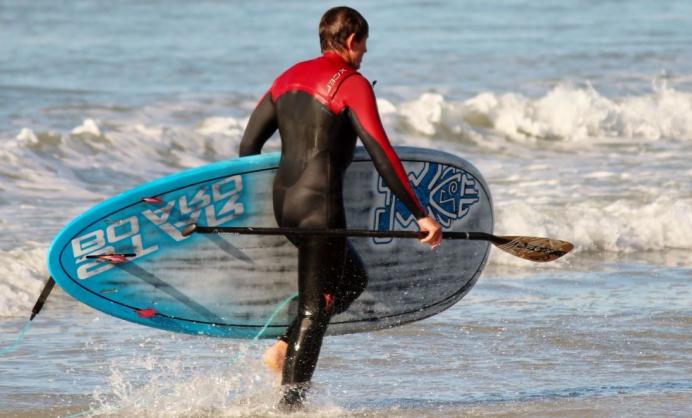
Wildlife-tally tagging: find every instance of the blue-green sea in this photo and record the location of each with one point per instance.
(578, 114)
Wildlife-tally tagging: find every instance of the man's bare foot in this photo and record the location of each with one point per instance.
(293, 396)
(274, 357)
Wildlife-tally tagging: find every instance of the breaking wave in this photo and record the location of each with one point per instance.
(49, 177)
(565, 113)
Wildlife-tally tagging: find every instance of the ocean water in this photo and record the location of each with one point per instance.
(578, 113)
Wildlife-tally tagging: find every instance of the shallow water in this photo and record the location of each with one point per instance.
(581, 343)
(578, 114)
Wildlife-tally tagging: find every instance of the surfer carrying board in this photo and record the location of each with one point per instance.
(320, 107)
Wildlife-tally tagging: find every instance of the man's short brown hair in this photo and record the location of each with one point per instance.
(337, 24)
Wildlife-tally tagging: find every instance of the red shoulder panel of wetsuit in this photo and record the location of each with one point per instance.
(320, 77)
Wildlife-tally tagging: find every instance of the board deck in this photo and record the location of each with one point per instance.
(230, 285)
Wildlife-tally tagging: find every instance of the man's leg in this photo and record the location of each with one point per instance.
(319, 265)
(275, 355)
(352, 282)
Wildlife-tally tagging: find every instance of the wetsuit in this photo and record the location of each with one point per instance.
(320, 107)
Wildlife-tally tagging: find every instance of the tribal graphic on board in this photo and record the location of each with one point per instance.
(448, 193)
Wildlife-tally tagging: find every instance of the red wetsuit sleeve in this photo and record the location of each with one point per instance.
(357, 95)
(260, 127)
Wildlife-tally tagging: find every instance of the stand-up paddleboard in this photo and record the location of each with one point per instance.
(128, 256)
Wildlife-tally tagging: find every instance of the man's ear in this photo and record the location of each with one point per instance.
(349, 41)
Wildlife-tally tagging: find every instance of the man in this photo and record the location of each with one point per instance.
(319, 107)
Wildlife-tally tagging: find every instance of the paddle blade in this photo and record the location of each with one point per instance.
(533, 248)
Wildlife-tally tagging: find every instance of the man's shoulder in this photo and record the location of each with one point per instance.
(300, 65)
(319, 76)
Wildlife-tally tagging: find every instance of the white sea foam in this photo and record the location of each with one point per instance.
(566, 113)
(619, 227)
(23, 272)
(89, 127)
(425, 113)
(27, 136)
(385, 107)
(174, 387)
(153, 132)
(221, 125)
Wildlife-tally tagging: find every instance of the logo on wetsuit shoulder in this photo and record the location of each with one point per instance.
(448, 193)
(334, 79)
(156, 222)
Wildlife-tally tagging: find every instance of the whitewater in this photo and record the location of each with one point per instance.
(579, 117)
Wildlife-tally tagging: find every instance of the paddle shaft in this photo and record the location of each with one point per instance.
(529, 248)
(50, 283)
(338, 232)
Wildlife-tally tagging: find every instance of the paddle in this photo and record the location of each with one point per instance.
(528, 248)
(50, 283)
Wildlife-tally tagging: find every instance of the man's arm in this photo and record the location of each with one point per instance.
(359, 97)
(357, 94)
(260, 127)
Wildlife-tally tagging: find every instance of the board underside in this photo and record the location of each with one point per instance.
(229, 285)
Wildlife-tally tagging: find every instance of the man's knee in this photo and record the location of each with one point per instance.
(352, 284)
(317, 314)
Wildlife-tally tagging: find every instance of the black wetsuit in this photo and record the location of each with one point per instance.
(319, 107)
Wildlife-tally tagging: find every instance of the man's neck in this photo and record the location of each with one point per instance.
(338, 55)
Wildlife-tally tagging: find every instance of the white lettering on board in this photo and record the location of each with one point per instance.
(219, 202)
(124, 233)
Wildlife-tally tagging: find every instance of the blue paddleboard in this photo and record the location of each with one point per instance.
(235, 285)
